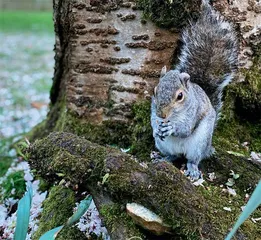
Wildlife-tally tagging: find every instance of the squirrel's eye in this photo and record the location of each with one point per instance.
(180, 96)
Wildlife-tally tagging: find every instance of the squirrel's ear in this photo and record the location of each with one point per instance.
(184, 77)
(163, 71)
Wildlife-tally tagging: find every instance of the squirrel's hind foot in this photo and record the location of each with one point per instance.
(192, 171)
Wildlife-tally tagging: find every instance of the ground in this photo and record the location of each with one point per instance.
(26, 60)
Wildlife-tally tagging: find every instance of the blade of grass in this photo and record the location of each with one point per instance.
(253, 203)
(51, 235)
(82, 208)
(23, 214)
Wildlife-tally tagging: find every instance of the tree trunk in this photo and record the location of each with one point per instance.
(107, 61)
(107, 58)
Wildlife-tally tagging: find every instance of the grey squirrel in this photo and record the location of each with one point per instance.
(187, 100)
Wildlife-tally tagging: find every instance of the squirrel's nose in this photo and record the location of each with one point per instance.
(161, 114)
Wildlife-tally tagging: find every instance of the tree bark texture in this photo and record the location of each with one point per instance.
(107, 58)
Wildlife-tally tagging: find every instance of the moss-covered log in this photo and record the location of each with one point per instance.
(191, 212)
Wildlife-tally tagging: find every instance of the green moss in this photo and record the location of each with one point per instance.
(241, 115)
(14, 181)
(43, 185)
(66, 150)
(170, 13)
(138, 135)
(232, 131)
(249, 227)
(247, 94)
(115, 216)
(57, 208)
(5, 163)
(71, 233)
(141, 139)
(224, 220)
(213, 192)
(230, 135)
(110, 132)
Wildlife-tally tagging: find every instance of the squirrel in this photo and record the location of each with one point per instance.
(187, 101)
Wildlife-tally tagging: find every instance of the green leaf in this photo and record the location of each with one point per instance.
(236, 176)
(23, 214)
(24, 144)
(253, 203)
(237, 154)
(19, 152)
(82, 208)
(105, 177)
(51, 235)
(60, 174)
(230, 182)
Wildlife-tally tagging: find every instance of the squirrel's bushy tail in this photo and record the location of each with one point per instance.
(210, 53)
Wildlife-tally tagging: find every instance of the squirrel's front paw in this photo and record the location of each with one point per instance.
(192, 171)
(165, 129)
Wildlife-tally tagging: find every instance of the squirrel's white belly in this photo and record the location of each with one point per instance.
(172, 145)
(176, 145)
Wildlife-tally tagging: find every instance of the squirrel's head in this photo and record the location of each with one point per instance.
(171, 93)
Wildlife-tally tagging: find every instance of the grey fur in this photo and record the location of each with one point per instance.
(210, 53)
(187, 100)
